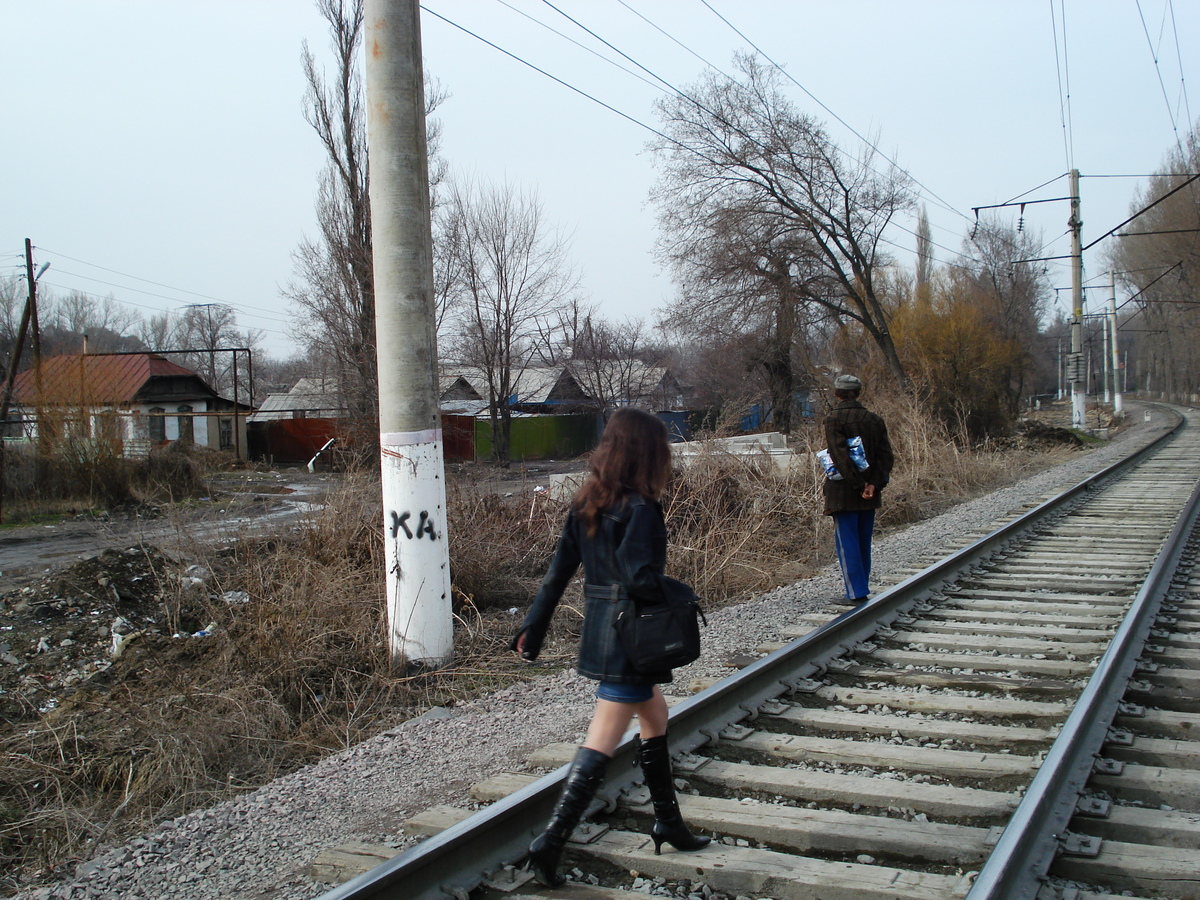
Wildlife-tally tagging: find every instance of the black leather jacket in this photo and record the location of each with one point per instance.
(621, 562)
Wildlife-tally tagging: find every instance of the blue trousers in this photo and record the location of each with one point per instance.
(852, 535)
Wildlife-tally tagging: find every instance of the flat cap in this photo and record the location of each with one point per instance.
(847, 383)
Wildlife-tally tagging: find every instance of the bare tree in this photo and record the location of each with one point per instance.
(12, 303)
(334, 285)
(1157, 261)
(159, 332)
(616, 362)
(106, 322)
(512, 275)
(743, 146)
(747, 283)
(995, 266)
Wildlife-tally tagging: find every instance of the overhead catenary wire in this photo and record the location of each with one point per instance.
(932, 195)
(1171, 113)
(542, 71)
(1187, 106)
(578, 44)
(1064, 96)
(670, 87)
(1143, 210)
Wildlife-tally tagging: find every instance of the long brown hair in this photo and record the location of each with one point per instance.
(634, 457)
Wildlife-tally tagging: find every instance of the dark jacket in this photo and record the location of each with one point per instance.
(622, 562)
(849, 419)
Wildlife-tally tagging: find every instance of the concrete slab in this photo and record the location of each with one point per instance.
(1176, 788)
(835, 831)
(1169, 871)
(908, 727)
(500, 786)
(945, 763)
(1007, 645)
(1059, 668)
(765, 873)
(1144, 826)
(989, 707)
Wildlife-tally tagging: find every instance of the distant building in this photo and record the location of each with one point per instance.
(134, 401)
(291, 427)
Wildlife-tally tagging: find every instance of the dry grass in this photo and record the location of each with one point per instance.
(90, 475)
(302, 670)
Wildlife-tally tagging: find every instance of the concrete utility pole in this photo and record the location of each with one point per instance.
(1106, 357)
(1118, 412)
(420, 623)
(1060, 393)
(1075, 361)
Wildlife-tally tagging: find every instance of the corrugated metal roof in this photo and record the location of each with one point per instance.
(283, 406)
(99, 378)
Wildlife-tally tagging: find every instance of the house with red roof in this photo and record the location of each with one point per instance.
(135, 401)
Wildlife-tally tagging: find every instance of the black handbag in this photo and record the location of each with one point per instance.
(663, 633)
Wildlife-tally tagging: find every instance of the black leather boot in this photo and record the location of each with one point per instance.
(655, 758)
(584, 777)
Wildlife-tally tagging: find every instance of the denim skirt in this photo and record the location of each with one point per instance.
(624, 693)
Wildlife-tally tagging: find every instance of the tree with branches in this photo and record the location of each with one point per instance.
(512, 274)
(738, 150)
(1157, 262)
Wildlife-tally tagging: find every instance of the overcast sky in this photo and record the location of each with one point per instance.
(156, 149)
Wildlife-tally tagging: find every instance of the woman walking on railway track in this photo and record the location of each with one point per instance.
(615, 529)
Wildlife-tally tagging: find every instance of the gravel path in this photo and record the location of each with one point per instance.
(257, 845)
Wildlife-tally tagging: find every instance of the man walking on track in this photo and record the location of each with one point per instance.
(853, 498)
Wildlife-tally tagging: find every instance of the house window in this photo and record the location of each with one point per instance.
(299, 413)
(186, 429)
(157, 424)
(225, 428)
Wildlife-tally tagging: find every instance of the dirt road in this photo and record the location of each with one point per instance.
(240, 504)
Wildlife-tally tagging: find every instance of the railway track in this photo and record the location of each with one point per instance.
(1017, 720)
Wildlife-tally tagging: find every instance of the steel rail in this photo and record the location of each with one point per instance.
(1017, 866)
(464, 856)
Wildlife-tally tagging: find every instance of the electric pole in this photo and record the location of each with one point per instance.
(420, 623)
(14, 361)
(1075, 360)
(1118, 412)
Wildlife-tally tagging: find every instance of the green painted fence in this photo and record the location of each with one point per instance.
(541, 437)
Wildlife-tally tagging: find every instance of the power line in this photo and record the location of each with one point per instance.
(581, 46)
(1158, 72)
(1144, 209)
(1187, 107)
(933, 196)
(1064, 100)
(1031, 190)
(126, 287)
(674, 39)
(153, 309)
(147, 281)
(663, 81)
(541, 71)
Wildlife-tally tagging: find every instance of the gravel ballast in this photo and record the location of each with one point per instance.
(259, 844)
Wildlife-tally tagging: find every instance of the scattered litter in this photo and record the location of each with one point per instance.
(206, 631)
(120, 641)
